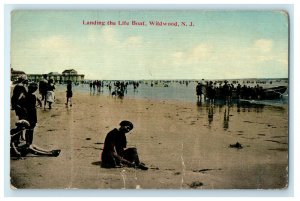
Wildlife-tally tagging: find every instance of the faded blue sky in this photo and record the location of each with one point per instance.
(221, 44)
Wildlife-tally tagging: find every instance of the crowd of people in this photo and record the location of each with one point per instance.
(116, 88)
(24, 102)
(227, 91)
(115, 154)
(96, 85)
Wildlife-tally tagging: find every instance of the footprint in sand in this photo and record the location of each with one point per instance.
(195, 184)
(205, 170)
(154, 168)
(54, 115)
(248, 122)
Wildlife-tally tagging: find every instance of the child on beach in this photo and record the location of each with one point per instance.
(115, 154)
(69, 93)
(43, 89)
(18, 148)
(50, 93)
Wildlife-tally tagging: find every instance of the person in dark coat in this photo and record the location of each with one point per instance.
(199, 91)
(115, 154)
(19, 97)
(69, 93)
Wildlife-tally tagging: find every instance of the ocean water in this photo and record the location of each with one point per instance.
(176, 91)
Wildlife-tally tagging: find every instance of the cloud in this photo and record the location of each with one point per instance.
(108, 34)
(178, 55)
(262, 58)
(199, 53)
(134, 41)
(283, 61)
(194, 55)
(263, 45)
(54, 42)
(264, 52)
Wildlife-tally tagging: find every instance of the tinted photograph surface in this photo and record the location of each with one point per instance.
(149, 99)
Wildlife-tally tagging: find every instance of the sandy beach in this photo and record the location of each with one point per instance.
(185, 145)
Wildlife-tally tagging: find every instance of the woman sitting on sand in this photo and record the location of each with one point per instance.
(114, 152)
(18, 146)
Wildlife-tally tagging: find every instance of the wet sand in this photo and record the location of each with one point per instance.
(185, 145)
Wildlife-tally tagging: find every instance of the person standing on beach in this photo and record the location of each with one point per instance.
(199, 91)
(69, 93)
(91, 85)
(27, 111)
(43, 85)
(31, 116)
(115, 154)
(50, 93)
(18, 99)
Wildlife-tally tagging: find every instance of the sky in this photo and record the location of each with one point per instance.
(218, 45)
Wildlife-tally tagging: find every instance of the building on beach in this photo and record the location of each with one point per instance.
(72, 75)
(69, 74)
(14, 74)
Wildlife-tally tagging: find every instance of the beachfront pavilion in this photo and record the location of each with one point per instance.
(70, 74)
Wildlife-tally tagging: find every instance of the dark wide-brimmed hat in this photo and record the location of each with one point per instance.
(22, 123)
(126, 123)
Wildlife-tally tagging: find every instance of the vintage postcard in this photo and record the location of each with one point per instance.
(149, 99)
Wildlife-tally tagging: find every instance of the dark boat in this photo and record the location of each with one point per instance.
(274, 92)
(271, 93)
